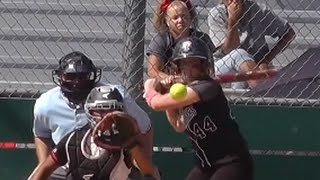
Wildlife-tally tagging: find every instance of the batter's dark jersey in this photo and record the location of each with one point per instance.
(210, 126)
(79, 165)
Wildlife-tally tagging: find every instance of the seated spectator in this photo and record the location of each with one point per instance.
(173, 21)
(238, 28)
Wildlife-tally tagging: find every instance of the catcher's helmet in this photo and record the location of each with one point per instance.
(76, 75)
(190, 47)
(112, 128)
(105, 98)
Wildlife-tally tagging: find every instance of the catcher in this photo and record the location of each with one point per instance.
(108, 144)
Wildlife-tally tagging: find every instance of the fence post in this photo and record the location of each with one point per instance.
(133, 53)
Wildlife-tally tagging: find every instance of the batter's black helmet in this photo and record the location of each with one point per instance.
(190, 47)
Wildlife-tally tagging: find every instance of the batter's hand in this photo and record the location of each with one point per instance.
(154, 84)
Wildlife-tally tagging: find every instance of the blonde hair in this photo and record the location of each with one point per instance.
(160, 24)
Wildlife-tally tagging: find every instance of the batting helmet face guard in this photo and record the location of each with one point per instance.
(76, 75)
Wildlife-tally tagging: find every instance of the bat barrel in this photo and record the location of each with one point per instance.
(249, 75)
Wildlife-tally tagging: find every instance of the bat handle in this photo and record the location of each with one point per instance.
(144, 164)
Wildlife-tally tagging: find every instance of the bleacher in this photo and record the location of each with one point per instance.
(33, 35)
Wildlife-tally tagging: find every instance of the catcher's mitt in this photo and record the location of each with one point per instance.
(117, 130)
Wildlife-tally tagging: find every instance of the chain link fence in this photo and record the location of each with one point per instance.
(35, 34)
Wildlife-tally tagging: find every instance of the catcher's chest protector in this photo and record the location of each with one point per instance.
(82, 168)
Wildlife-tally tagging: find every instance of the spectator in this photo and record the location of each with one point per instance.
(173, 21)
(60, 110)
(238, 28)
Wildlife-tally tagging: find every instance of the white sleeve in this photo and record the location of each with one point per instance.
(40, 122)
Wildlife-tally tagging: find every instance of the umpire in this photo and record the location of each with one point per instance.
(60, 110)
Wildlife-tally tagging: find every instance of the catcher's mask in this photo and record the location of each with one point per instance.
(112, 129)
(100, 101)
(187, 49)
(76, 75)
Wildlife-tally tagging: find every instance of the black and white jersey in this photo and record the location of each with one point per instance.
(68, 151)
(210, 125)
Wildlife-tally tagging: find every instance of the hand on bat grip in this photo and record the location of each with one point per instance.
(167, 82)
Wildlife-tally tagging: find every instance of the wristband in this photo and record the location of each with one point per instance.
(150, 95)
